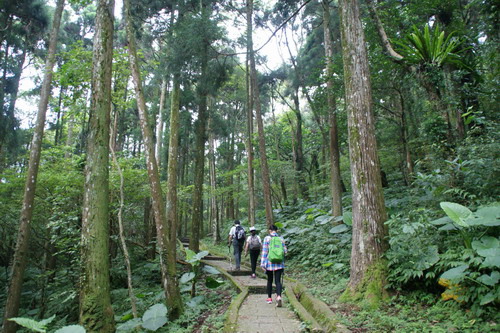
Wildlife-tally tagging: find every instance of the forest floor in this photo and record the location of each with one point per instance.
(406, 311)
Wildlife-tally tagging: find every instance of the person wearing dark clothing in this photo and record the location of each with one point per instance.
(237, 239)
(254, 244)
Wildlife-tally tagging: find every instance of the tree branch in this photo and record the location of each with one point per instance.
(386, 44)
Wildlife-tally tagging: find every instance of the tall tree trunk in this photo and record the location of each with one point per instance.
(408, 161)
(121, 233)
(335, 180)
(299, 153)
(96, 313)
(172, 216)
(214, 218)
(21, 251)
(159, 125)
(199, 159)
(230, 178)
(149, 227)
(367, 275)
(249, 138)
(59, 121)
(166, 236)
(266, 182)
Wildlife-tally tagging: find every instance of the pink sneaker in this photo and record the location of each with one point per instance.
(269, 301)
(253, 276)
(278, 302)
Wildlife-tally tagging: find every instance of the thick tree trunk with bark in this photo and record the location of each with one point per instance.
(266, 182)
(335, 180)
(21, 251)
(367, 276)
(96, 313)
(166, 235)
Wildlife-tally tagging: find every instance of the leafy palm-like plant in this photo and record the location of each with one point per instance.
(431, 47)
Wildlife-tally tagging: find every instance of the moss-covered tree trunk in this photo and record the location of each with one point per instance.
(172, 216)
(21, 251)
(367, 275)
(96, 313)
(335, 180)
(166, 232)
(255, 95)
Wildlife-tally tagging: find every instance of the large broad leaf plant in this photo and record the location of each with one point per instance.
(476, 275)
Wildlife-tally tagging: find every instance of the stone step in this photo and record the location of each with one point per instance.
(240, 272)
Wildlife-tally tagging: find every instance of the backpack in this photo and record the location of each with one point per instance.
(239, 233)
(276, 251)
(254, 243)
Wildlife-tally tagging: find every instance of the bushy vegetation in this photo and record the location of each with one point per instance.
(443, 269)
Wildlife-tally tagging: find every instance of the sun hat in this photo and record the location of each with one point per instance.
(252, 229)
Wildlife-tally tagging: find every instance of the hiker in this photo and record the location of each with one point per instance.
(273, 263)
(254, 244)
(237, 238)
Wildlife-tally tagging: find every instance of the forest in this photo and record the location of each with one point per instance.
(133, 133)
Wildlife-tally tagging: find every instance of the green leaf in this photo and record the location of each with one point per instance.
(488, 298)
(492, 261)
(210, 270)
(186, 277)
(490, 280)
(455, 273)
(328, 264)
(441, 221)
(338, 229)
(408, 229)
(487, 216)
(195, 301)
(47, 321)
(279, 225)
(126, 317)
(129, 325)
(323, 219)
(348, 218)
(338, 266)
(155, 317)
(212, 283)
(30, 323)
(456, 212)
(201, 255)
(185, 288)
(189, 254)
(487, 247)
(71, 329)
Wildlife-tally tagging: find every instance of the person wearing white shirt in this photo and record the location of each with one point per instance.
(254, 244)
(237, 238)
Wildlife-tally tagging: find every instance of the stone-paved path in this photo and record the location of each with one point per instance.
(255, 315)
